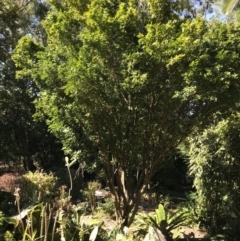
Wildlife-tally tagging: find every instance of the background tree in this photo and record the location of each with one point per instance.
(123, 83)
(22, 139)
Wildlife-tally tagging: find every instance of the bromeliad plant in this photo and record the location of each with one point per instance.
(162, 225)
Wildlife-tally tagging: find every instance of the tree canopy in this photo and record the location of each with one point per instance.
(123, 83)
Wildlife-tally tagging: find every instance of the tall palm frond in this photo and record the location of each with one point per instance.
(227, 6)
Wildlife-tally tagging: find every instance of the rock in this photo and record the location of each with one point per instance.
(102, 193)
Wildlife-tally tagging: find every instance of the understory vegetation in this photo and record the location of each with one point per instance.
(42, 209)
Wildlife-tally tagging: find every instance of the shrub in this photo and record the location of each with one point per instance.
(90, 194)
(215, 165)
(36, 187)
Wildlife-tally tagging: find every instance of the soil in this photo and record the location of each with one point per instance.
(193, 234)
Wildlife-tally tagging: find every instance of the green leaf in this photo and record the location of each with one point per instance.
(160, 214)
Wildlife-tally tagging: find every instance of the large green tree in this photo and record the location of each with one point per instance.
(124, 82)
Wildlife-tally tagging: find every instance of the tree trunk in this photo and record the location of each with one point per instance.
(126, 205)
(28, 165)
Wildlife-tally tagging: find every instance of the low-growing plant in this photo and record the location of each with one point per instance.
(150, 197)
(119, 234)
(191, 208)
(6, 203)
(90, 194)
(8, 236)
(58, 220)
(1, 224)
(36, 187)
(50, 214)
(1, 218)
(165, 200)
(106, 207)
(161, 225)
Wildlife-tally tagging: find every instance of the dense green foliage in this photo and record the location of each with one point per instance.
(21, 137)
(37, 187)
(123, 83)
(214, 164)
